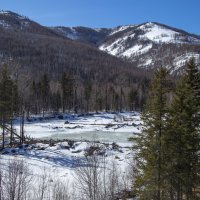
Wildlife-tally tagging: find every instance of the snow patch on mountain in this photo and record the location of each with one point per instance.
(148, 62)
(137, 49)
(120, 29)
(160, 34)
(72, 34)
(115, 48)
(4, 24)
(157, 33)
(9, 13)
(180, 61)
(132, 50)
(4, 12)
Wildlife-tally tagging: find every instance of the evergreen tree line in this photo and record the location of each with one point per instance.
(167, 151)
(10, 108)
(73, 95)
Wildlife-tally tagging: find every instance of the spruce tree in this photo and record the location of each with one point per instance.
(131, 99)
(150, 163)
(183, 138)
(67, 87)
(8, 102)
(87, 94)
(45, 90)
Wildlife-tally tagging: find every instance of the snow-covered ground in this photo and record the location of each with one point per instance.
(103, 127)
(110, 132)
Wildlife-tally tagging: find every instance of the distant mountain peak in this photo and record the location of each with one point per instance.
(13, 14)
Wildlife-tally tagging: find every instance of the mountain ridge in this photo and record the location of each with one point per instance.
(147, 45)
(141, 44)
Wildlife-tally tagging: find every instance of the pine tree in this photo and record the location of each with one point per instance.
(87, 94)
(183, 137)
(150, 179)
(34, 97)
(8, 102)
(67, 87)
(14, 108)
(45, 89)
(131, 99)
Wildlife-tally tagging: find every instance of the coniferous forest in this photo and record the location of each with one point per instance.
(99, 113)
(166, 152)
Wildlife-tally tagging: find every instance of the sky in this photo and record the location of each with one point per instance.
(183, 14)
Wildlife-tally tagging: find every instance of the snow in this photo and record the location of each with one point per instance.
(158, 33)
(71, 35)
(147, 62)
(114, 48)
(60, 162)
(129, 52)
(120, 29)
(181, 60)
(4, 12)
(137, 49)
(145, 49)
(104, 127)
(4, 24)
(148, 32)
(161, 34)
(59, 158)
(11, 13)
(97, 29)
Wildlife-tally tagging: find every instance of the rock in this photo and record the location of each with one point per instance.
(13, 151)
(77, 151)
(133, 124)
(60, 117)
(109, 125)
(115, 146)
(41, 148)
(71, 143)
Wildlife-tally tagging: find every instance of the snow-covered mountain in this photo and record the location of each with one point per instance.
(152, 44)
(126, 41)
(148, 45)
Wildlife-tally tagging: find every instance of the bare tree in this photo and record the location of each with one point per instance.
(98, 178)
(42, 184)
(16, 181)
(60, 190)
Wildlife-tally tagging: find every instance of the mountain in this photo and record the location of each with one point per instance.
(83, 34)
(32, 50)
(11, 21)
(148, 45)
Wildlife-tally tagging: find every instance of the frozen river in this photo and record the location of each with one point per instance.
(103, 127)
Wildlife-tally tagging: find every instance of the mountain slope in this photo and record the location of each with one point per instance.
(11, 21)
(36, 50)
(151, 44)
(147, 45)
(83, 34)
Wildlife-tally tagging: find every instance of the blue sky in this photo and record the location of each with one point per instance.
(184, 14)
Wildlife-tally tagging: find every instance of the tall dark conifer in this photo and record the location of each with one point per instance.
(45, 89)
(67, 87)
(8, 103)
(183, 139)
(150, 179)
